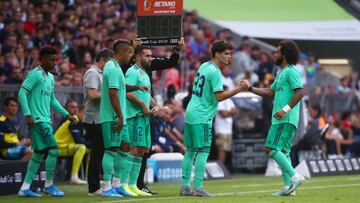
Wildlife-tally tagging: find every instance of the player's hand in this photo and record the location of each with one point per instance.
(146, 110)
(155, 110)
(30, 121)
(119, 125)
(244, 85)
(280, 114)
(71, 119)
(136, 42)
(143, 88)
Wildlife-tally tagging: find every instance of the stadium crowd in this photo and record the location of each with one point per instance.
(80, 29)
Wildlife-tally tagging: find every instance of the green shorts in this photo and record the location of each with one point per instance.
(139, 131)
(110, 137)
(280, 137)
(124, 134)
(198, 136)
(42, 136)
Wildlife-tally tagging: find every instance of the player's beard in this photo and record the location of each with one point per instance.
(279, 61)
(145, 65)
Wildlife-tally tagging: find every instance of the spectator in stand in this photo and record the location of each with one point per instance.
(302, 67)
(265, 66)
(332, 138)
(242, 59)
(347, 132)
(11, 146)
(198, 45)
(223, 127)
(344, 87)
(16, 77)
(165, 139)
(71, 141)
(312, 70)
(226, 72)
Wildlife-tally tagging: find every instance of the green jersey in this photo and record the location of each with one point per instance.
(203, 104)
(137, 76)
(37, 95)
(288, 79)
(113, 78)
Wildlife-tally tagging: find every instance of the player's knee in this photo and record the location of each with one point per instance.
(82, 148)
(268, 150)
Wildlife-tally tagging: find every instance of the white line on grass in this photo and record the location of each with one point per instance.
(232, 193)
(280, 183)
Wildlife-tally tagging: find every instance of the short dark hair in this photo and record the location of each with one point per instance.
(140, 49)
(120, 44)
(290, 51)
(104, 53)
(220, 46)
(10, 99)
(46, 51)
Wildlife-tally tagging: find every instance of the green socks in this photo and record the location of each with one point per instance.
(283, 162)
(135, 170)
(50, 163)
(32, 167)
(286, 176)
(108, 164)
(187, 164)
(200, 165)
(122, 167)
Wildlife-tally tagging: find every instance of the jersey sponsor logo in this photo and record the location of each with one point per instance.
(45, 93)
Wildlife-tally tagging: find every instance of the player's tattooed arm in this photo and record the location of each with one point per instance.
(298, 95)
(264, 92)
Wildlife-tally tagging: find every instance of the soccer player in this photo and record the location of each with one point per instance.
(287, 91)
(207, 93)
(92, 85)
(113, 116)
(36, 95)
(138, 120)
(70, 140)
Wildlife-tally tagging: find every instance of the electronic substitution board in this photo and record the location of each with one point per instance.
(159, 22)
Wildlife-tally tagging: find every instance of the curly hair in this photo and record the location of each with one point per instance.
(290, 51)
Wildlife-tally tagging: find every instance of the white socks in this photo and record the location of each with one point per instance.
(25, 186)
(106, 185)
(48, 183)
(116, 182)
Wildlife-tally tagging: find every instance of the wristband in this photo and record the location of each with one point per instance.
(286, 108)
(250, 88)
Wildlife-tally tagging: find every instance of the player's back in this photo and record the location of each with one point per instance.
(203, 104)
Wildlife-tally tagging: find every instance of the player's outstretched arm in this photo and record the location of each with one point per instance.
(221, 96)
(264, 92)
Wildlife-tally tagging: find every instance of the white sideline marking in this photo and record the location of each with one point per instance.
(233, 193)
(280, 183)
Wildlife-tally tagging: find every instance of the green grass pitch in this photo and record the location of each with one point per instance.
(243, 188)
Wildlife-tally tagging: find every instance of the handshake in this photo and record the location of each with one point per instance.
(244, 85)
